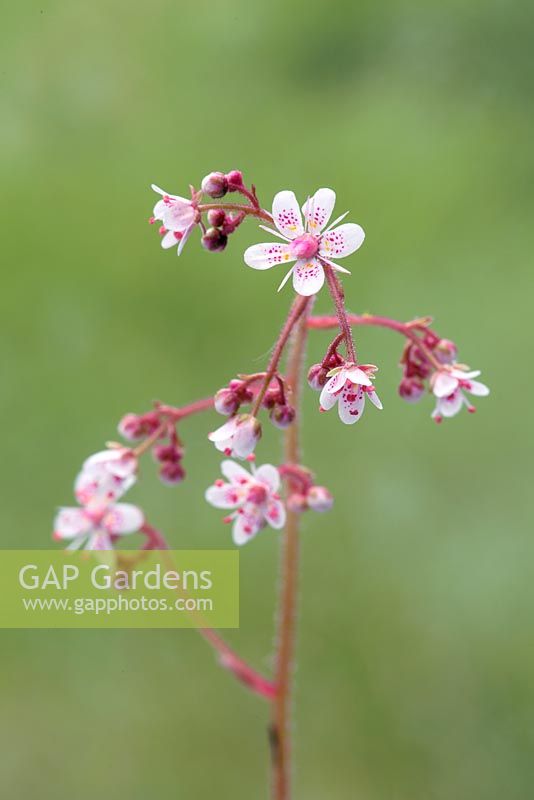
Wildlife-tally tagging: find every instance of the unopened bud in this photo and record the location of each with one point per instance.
(171, 473)
(167, 452)
(317, 377)
(446, 351)
(235, 179)
(137, 426)
(411, 389)
(297, 503)
(226, 402)
(319, 499)
(282, 416)
(216, 217)
(214, 240)
(271, 398)
(215, 184)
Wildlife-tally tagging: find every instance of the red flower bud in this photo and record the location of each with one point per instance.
(171, 473)
(167, 452)
(317, 377)
(235, 180)
(215, 184)
(282, 416)
(226, 402)
(271, 398)
(214, 240)
(137, 426)
(411, 389)
(216, 217)
(319, 499)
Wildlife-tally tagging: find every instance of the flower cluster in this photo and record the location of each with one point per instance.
(100, 520)
(310, 245)
(431, 363)
(268, 496)
(255, 500)
(158, 428)
(179, 216)
(417, 367)
(247, 388)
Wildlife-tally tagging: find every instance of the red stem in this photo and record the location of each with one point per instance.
(406, 329)
(339, 300)
(299, 304)
(247, 210)
(228, 658)
(280, 730)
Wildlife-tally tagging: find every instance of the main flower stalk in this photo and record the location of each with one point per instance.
(280, 729)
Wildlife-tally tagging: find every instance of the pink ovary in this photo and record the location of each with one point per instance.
(305, 246)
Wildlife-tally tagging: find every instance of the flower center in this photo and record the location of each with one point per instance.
(257, 494)
(95, 514)
(305, 246)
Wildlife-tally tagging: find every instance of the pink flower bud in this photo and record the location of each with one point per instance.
(216, 217)
(446, 351)
(411, 389)
(297, 503)
(271, 398)
(235, 180)
(214, 240)
(226, 402)
(319, 499)
(137, 426)
(215, 184)
(317, 377)
(282, 416)
(171, 473)
(167, 452)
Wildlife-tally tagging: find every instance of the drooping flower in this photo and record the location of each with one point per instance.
(95, 525)
(348, 386)
(179, 217)
(312, 246)
(106, 476)
(449, 386)
(237, 437)
(254, 498)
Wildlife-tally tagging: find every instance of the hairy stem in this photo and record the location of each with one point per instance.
(228, 658)
(406, 329)
(338, 297)
(252, 211)
(297, 308)
(280, 728)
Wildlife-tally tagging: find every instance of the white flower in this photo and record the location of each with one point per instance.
(348, 386)
(253, 496)
(106, 476)
(237, 437)
(311, 247)
(94, 526)
(448, 387)
(179, 217)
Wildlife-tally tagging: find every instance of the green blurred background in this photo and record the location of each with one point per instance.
(415, 678)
